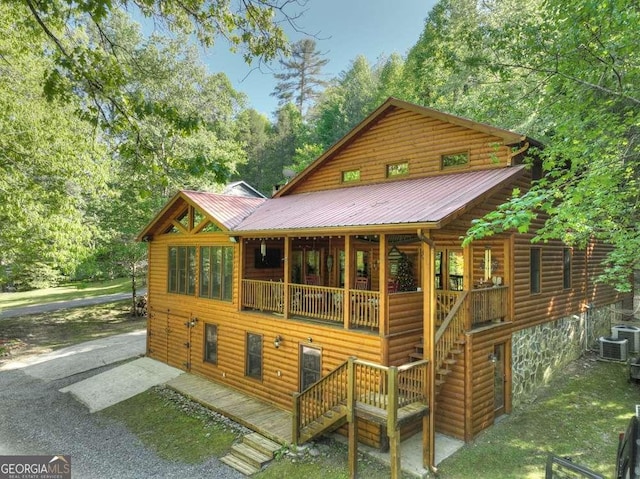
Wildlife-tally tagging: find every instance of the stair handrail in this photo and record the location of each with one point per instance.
(319, 398)
(450, 330)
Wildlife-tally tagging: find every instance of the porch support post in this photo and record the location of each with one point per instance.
(383, 297)
(392, 424)
(352, 418)
(241, 268)
(429, 302)
(287, 275)
(346, 302)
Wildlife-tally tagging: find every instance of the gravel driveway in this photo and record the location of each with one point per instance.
(35, 419)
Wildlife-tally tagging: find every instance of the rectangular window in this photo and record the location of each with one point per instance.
(182, 270)
(254, 356)
(534, 260)
(216, 272)
(566, 268)
(351, 175)
(455, 159)
(310, 366)
(211, 343)
(397, 169)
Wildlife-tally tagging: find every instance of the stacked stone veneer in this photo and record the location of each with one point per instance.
(540, 351)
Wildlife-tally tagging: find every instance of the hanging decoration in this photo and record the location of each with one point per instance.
(263, 248)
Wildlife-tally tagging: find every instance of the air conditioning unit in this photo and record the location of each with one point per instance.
(613, 348)
(630, 333)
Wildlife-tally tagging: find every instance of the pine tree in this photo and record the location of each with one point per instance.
(300, 80)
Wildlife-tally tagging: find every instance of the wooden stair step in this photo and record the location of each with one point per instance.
(262, 444)
(443, 372)
(416, 356)
(239, 465)
(450, 361)
(250, 455)
(456, 351)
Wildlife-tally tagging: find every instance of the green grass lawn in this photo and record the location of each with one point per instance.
(68, 291)
(579, 415)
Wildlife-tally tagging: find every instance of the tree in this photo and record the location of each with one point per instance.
(52, 164)
(346, 102)
(569, 72)
(254, 133)
(302, 75)
(91, 69)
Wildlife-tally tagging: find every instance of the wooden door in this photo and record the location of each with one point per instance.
(157, 346)
(179, 339)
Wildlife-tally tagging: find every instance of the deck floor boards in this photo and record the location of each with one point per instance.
(260, 416)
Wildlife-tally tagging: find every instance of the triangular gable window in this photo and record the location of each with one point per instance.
(191, 221)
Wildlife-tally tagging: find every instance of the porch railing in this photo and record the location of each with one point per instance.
(444, 303)
(263, 295)
(364, 309)
(320, 398)
(383, 389)
(450, 331)
(317, 302)
(488, 305)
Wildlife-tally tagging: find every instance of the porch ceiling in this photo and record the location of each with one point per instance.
(432, 200)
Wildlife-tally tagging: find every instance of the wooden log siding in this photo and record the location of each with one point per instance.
(480, 400)
(402, 136)
(405, 326)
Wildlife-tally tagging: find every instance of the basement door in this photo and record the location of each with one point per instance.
(499, 389)
(170, 339)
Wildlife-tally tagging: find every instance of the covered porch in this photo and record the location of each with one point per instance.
(375, 283)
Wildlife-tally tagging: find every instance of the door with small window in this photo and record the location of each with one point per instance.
(310, 366)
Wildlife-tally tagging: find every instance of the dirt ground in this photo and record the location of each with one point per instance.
(40, 333)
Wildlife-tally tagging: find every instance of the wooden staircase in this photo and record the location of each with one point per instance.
(252, 454)
(327, 422)
(385, 395)
(444, 369)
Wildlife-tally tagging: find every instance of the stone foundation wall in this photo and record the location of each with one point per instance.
(539, 351)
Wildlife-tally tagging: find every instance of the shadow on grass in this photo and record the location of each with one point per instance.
(579, 415)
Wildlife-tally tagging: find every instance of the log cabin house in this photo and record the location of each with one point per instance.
(347, 295)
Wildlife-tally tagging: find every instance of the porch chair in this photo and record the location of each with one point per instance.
(362, 283)
(392, 286)
(312, 280)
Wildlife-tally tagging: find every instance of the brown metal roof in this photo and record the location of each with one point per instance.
(428, 200)
(509, 137)
(228, 210)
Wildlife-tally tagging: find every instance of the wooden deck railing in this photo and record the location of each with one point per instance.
(488, 305)
(382, 390)
(364, 309)
(319, 399)
(444, 303)
(450, 330)
(317, 302)
(263, 295)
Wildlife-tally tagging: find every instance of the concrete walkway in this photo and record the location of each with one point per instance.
(121, 383)
(133, 377)
(73, 303)
(82, 357)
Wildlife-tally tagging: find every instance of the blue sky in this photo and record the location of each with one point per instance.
(344, 30)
